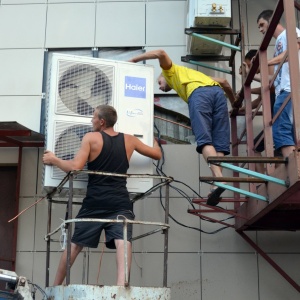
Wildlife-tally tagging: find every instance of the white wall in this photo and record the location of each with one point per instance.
(201, 266)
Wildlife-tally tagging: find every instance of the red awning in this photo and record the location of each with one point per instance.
(13, 134)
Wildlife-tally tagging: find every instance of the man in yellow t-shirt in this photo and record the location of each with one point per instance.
(207, 108)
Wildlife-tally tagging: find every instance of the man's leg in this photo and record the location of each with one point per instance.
(287, 150)
(283, 132)
(61, 270)
(209, 150)
(259, 167)
(214, 196)
(120, 260)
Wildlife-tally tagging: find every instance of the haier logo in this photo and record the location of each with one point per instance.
(135, 87)
(134, 112)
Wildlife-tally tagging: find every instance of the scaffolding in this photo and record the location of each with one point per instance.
(130, 292)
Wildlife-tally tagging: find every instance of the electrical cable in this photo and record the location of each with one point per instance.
(55, 189)
(39, 288)
(160, 172)
(36, 202)
(190, 227)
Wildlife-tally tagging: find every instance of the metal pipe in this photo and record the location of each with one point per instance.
(83, 267)
(164, 226)
(48, 241)
(146, 234)
(126, 283)
(255, 174)
(68, 266)
(210, 179)
(240, 191)
(267, 114)
(172, 122)
(16, 209)
(270, 261)
(44, 91)
(166, 238)
(247, 159)
(292, 46)
(9, 278)
(235, 152)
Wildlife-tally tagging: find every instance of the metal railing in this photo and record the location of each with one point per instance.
(163, 227)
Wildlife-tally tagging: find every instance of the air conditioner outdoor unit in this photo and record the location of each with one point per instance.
(207, 14)
(77, 85)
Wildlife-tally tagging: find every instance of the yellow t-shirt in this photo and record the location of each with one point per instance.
(184, 80)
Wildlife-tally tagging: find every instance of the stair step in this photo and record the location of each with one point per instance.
(231, 179)
(247, 159)
(211, 30)
(213, 58)
(223, 200)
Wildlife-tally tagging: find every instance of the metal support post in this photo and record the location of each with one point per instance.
(48, 240)
(126, 283)
(270, 261)
(68, 266)
(166, 233)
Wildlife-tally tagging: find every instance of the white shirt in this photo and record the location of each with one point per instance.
(282, 81)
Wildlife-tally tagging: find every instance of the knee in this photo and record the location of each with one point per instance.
(76, 248)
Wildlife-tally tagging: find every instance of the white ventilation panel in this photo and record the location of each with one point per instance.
(77, 85)
(207, 14)
(197, 46)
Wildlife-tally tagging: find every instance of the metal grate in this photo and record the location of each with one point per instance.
(82, 87)
(68, 140)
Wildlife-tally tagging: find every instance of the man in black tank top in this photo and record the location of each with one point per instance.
(107, 197)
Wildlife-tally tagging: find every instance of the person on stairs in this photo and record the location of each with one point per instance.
(207, 109)
(283, 127)
(247, 64)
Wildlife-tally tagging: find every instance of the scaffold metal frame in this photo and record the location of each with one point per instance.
(163, 227)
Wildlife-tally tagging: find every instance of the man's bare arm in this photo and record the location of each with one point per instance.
(137, 145)
(254, 104)
(77, 163)
(164, 60)
(277, 59)
(257, 76)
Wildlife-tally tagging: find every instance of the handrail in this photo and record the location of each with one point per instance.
(164, 226)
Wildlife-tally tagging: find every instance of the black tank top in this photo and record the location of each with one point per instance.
(109, 193)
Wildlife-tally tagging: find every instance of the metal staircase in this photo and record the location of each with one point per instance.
(272, 201)
(207, 34)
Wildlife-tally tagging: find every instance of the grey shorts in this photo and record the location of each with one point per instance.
(87, 234)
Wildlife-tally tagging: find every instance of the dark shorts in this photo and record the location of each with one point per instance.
(283, 127)
(209, 118)
(87, 234)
